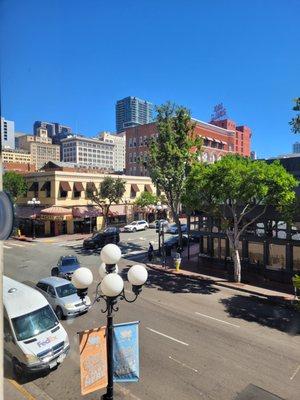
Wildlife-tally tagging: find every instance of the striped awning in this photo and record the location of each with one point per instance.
(135, 187)
(56, 211)
(86, 212)
(78, 187)
(148, 188)
(65, 186)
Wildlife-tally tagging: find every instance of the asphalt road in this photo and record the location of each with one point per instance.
(197, 340)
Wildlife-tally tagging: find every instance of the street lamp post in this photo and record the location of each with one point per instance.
(111, 287)
(34, 202)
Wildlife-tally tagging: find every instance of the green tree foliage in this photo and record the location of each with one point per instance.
(172, 154)
(237, 191)
(111, 190)
(14, 184)
(146, 199)
(295, 122)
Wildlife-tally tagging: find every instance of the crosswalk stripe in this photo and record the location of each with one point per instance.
(16, 244)
(6, 247)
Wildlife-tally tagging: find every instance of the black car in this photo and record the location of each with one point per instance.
(173, 243)
(65, 267)
(100, 239)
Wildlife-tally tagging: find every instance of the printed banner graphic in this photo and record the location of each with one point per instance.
(93, 360)
(126, 352)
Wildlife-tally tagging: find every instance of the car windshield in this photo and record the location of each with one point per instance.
(66, 290)
(69, 261)
(34, 323)
(133, 223)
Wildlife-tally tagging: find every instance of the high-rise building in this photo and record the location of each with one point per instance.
(7, 134)
(55, 131)
(90, 152)
(253, 155)
(132, 111)
(119, 141)
(40, 147)
(296, 147)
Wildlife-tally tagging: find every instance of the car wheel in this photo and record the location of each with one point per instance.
(54, 271)
(59, 313)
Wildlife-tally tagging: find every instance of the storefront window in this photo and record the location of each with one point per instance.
(296, 258)
(256, 252)
(277, 257)
(205, 244)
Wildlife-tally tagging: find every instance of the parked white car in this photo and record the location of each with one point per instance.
(136, 226)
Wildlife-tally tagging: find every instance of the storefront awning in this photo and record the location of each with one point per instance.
(78, 187)
(34, 187)
(56, 211)
(86, 212)
(65, 186)
(27, 212)
(135, 187)
(46, 186)
(217, 140)
(148, 188)
(90, 186)
(209, 138)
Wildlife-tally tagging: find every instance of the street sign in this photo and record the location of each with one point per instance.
(126, 352)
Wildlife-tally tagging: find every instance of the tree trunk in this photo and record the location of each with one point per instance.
(237, 265)
(177, 222)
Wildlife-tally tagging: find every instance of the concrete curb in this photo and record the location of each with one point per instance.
(278, 300)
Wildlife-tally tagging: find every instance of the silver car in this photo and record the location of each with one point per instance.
(62, 295)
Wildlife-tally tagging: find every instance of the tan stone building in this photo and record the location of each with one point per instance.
(40, 147)
(65, 207)
(16, 156)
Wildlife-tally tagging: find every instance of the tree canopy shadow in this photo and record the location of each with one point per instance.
(164, 281)
(260, 310)
(125, 248)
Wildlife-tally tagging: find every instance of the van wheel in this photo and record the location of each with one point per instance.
(59, 313)
(18, 372)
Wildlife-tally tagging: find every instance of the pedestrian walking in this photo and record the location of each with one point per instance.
(150, 251)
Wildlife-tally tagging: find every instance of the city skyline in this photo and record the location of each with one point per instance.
(249, 63)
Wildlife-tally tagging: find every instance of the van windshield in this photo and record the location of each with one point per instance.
(34, 323)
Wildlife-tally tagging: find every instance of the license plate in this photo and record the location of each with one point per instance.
(61, 358)
(52, 364)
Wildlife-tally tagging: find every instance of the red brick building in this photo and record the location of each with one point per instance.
(219, 138)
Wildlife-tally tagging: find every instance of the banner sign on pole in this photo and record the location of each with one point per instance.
(126, 352)
(93, 360)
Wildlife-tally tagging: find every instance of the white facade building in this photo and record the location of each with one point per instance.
(119, 141)
(89, 152)
(7, 134)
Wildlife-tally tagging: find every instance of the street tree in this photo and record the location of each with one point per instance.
(218, 113)
(14, 184)
(110, 191)
(171, 155)
(146, 199)
(237, 191)
(295, 122)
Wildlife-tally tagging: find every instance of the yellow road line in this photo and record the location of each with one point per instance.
(22, 390)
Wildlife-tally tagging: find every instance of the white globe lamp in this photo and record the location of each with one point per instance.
(103, 272)
(110, 254)
(137, 275)
(112, 285)
(82, 278)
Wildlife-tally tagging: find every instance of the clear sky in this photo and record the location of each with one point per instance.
(70, 60)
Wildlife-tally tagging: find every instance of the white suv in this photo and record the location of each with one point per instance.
(136, 226)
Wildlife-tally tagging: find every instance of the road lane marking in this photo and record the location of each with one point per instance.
(216, 319)
(6, 247)
(184, 365)
(16, 244)
(295, 373)
(169, 337)
(21, 389)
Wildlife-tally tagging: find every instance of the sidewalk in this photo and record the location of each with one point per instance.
(54, 239)
(275, 296)
(29, 391)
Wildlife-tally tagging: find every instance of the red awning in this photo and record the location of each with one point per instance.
(78, 187)
(86, 212)
(56, 211)
(65, 186)
(148, 188)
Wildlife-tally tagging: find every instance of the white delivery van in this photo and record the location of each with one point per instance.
(34, 339)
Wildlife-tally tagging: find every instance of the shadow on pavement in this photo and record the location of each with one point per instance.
(176, 284)
(259, 310)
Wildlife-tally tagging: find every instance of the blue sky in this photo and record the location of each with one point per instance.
(70, 60)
